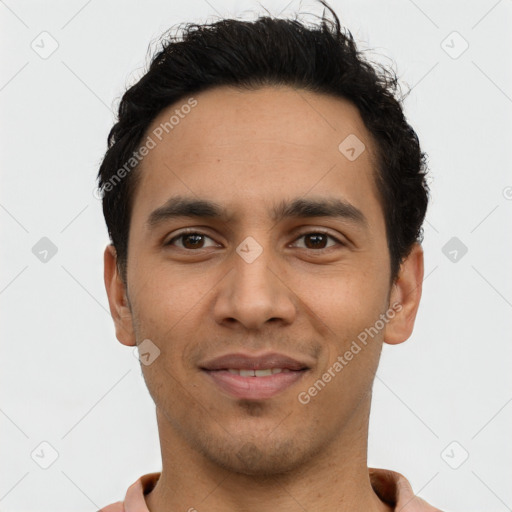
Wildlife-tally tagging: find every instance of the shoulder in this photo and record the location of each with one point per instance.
(134, 499)
(394, 488)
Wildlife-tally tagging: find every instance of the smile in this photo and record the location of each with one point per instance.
(257, 373)
(254, 384)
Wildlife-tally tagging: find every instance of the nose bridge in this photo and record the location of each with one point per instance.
(251, 265)
(252, 294)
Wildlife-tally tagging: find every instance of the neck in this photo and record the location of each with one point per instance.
(336, 480)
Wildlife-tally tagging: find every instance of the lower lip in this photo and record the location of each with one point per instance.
(254, 388)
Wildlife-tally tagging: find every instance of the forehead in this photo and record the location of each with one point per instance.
(243, 147)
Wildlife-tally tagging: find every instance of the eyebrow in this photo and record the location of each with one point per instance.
(180, 206)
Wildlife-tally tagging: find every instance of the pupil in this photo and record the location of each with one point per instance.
(318, 237)
(196, 240)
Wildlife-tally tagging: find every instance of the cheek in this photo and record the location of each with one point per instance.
(162, 296)
(345, 298)
(348, 304)
(165, 312)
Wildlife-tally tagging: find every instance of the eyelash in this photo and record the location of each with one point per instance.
(315, 232)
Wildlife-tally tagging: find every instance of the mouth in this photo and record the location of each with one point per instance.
(252, 377)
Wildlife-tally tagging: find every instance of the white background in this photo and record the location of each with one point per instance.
(67, 381)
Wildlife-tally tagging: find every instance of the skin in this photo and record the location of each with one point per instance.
(248, 150)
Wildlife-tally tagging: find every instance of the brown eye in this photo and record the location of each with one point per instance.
(315, 241)
(318, 240)
(190, 241)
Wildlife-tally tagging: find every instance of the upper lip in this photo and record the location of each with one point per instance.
(243, 361)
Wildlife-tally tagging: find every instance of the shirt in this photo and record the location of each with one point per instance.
(391, 487)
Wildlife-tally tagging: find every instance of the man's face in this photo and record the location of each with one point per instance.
(301, 288)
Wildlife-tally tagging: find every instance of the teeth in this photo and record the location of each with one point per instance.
(262, 373)
(257, 373)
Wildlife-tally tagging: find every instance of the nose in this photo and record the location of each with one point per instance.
(255, 293)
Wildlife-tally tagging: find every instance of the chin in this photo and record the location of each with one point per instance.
(257, 458)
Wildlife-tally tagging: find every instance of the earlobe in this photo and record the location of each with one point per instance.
(406, 293)
(117, 298)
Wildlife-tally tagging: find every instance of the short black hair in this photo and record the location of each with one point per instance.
(321, 58)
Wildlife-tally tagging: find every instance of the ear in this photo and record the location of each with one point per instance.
(405, 295)
(117, 298)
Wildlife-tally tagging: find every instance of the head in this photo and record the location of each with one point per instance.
(284, 138)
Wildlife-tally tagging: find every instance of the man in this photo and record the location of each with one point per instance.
(264, 196)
